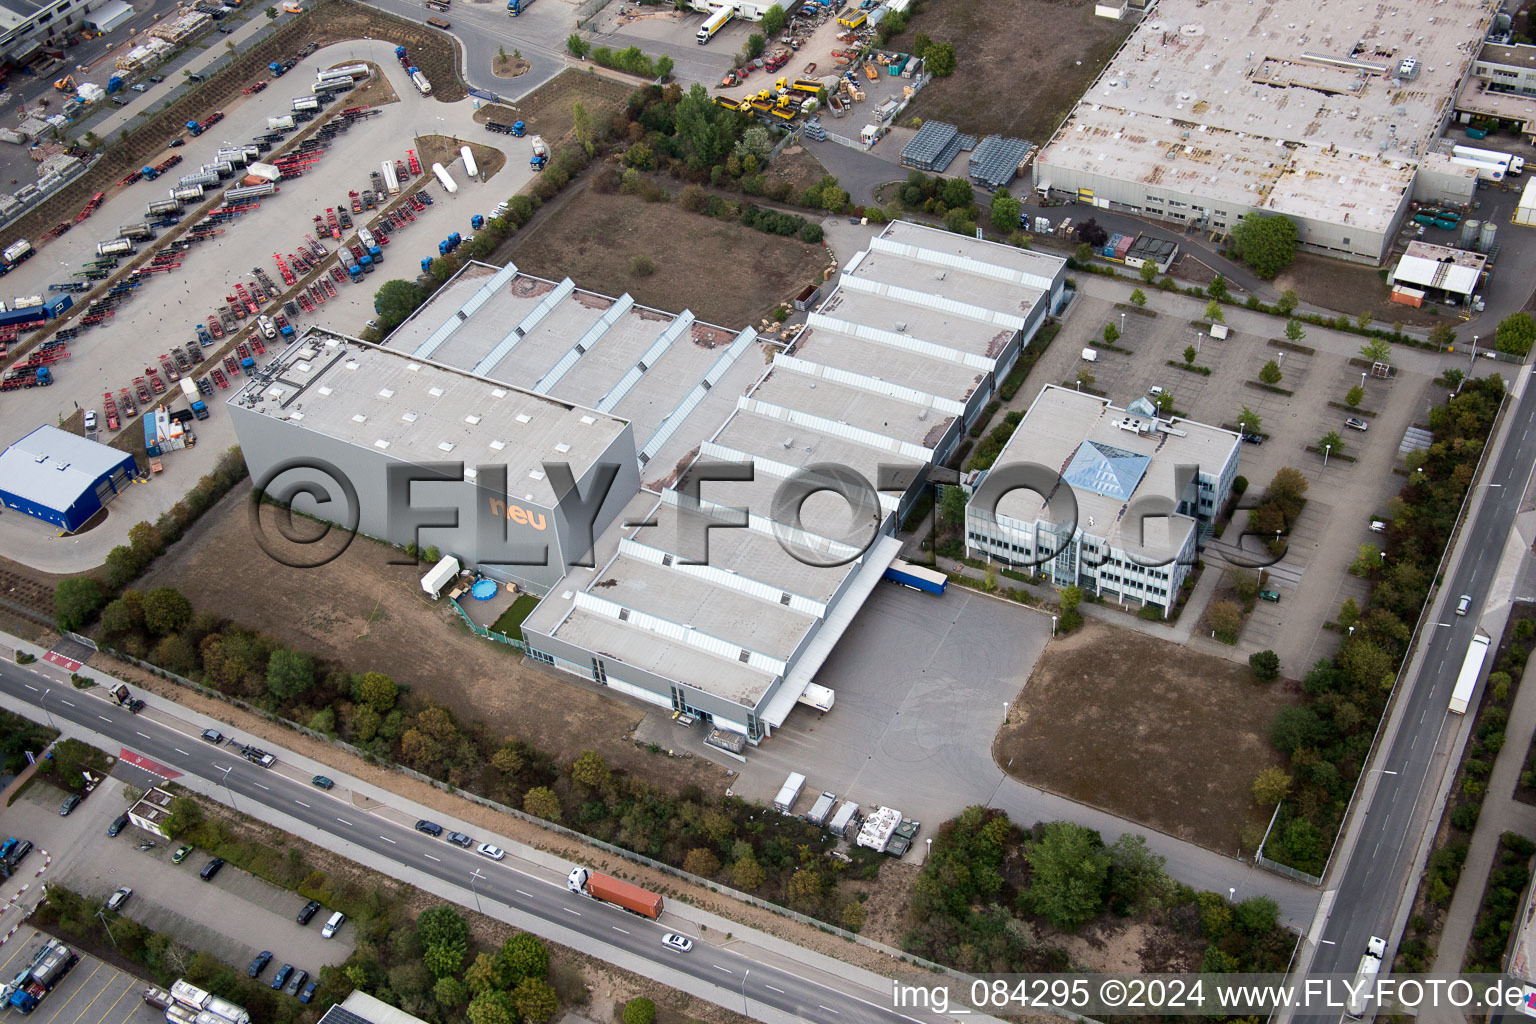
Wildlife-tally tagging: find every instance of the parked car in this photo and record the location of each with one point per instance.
(118, 824)
(70, 803)
(90, 421)
(678, 942)
(296, 982)
(211, 868)
(157, 78)
(322, 782)
(259, 964)
(177, 143)
(460, 839)
(1272, 596)
(1253, 438)
(493, 852)
(213, 736)
(1356, 423)
(138, 87)
(118, 898)
(281, 977)
(333, 925)
(431, 828)
(308, 910)
(308, 994)
(181, 853)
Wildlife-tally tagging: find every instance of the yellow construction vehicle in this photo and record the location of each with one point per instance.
(65, 84)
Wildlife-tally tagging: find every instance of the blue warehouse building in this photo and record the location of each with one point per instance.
(62, 478)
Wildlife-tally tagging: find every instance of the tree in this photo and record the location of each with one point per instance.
(1083, 253)
(774, 19)
(1367, 560)
(1443, 335)
(1085, 377)
(166, 611)
(1271, 786)
(1137, 879)
(1267, 244)
(1515, 334)
(591, 770)
(1293, 330)
(747, 874)
(1092, 232)
(1005, 211)
(75, 602)
(1068, 869)
(804, 889)
(1331, 443)
(541, 802)
(1213, 312)
(641, 1010)
(444, 959)
(583, 125)
(1148, 274)
(290, 674)
(1354, 396)
(577, 46)
(441, 925)
(480, 976)
(1349, 613)
(450, 993)
(1270, 374)
(186, 815)
(1189, 355)
(272, 13)
(1111, 334)
(395, 301)
(1225, 619)
(535, 1000)
(492, 1008)
(1265, 665)
(952, 506)
(701, 861)
(376, 690)
(1217, 289)
(1139, 297)
(1248, 421)
(755, 45)
(1295, 727)
(524, 956)
(124, 615)
(664, 65)
(1165, 402)
(1363, 321)
(1287, 302)
(940, 60)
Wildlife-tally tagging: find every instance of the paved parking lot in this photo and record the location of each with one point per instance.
(1343, 496)
(93, 993)
(918, 738)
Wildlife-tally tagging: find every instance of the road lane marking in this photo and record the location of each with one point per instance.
(568, 910)
(344, 821)
(104, 718)
(144, 734)
(430, 857)
(30, 687)
(301, 803)
(65, 702)
(621, 931)
(770, 988)
(388, 840)
(727, 970)
(183, 753)
(521, 893)
(828, 1009)
(260, 786)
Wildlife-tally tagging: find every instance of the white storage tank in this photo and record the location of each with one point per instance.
(443, 178)
(470, 167)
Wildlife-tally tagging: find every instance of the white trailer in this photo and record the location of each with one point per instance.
(470, 168)
(789, 792)
(391, 179)
(419, 80)
(1471, 669)
(1486, 170)
(1516, 164)
(443, 179)
(843, 819)
(714, 23)
(821, 809)
(279, 123)
(302, 103)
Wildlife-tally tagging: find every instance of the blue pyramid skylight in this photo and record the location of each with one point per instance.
(1107, 470)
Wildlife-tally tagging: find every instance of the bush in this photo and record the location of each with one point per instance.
(642, 266)
(1265, 665)
(640, 1010)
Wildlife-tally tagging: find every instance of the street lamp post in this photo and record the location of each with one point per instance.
(1199, 340)
(1232, 894)
(1474, 350)
(1005, 712)
(231, 792)
(1122, 324)
(744, 977)
(1326, 449)
(473, 876)
(44, 702)
(100, 916)
(1053, 625)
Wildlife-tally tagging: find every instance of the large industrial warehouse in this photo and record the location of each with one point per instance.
(62, 478)
(1142, 488)
(723, 603)
(1321, 111)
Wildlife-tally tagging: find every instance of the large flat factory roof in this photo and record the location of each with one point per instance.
(409, 409)
(1206, 94)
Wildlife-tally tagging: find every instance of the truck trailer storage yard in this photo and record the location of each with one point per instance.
(167, 308)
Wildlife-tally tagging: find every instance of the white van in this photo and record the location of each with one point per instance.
(1090, 355)
(333, 925)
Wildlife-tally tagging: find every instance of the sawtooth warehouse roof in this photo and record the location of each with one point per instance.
(60, 477)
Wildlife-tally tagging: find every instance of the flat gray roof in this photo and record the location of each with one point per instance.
(1271, 105)
(844, 351)
(1062, 420)
(854, 407)
(922, 323)
(411, 409)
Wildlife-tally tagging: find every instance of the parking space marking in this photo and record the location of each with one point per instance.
(59, 1007)
(101, 992)
(131, 990)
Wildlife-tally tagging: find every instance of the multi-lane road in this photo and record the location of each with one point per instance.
(389, 834)
(1372, 882)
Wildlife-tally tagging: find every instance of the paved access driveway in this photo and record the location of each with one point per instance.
(93, 993)
(920, 684)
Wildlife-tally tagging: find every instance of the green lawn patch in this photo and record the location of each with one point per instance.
(511, 621)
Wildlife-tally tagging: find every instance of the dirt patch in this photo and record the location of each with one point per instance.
(434, 52)
(512, 67)
(1353, 288)
(597, 235)
(444, 149)
(1017, 83)
(358, 609)
(798, 167)
(548, 109)
(1148, 730)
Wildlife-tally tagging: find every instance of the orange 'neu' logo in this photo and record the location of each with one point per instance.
(517, 514)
